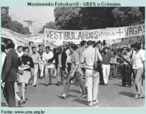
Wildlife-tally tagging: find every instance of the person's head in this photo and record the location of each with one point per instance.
(26, 50)
(3, 48)
(125, 50)
(95, 44)
(132, 46)
(47, 48)
(10, 45)
(30, 43)
(40, 46)
(54, 50)
(59, 50)
(105, 49)
(83, 43)
(9, 41)
(73, 48)
(33, 49)
(89, 43)
(20, 49)
(99, 45)
(115, 52)
(137, 46)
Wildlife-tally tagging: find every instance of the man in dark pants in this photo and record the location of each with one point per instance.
(99, 46)
(75, 72)
(9, 74)
(126, 68)
(126, 75)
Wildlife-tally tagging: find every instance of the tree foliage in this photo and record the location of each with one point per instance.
(5, 10)
(8, 23)
(67, 17)
(83, 17)
(125, 16)
(97, 17)
(5, 20)
(18, 27)
(142, 10)
(50, 25)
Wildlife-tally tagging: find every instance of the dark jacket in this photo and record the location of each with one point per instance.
(24, 59)
(63, 60)
(10, 68)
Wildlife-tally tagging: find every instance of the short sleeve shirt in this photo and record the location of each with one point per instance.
(46, 57)
(75, 61)
(138, 58)
(35, 57)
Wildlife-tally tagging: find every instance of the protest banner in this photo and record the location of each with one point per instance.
(95, 34)
(56, 36)
(20, 39)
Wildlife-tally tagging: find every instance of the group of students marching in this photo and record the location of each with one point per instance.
(86, 64)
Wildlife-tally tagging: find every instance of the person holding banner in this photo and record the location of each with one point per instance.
(48, 63)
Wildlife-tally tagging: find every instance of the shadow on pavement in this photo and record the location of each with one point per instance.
(80, 101)
(74, 90)
(69, 95)
(126, 94)
(45, 84)
(118, 85)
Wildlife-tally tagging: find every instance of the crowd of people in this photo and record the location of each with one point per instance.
(86, 65)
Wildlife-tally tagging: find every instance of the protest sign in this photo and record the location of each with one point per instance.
(96, 34)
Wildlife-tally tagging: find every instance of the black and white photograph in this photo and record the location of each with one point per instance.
(87, 57)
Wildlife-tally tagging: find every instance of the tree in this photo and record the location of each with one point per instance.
(83, 17)
(15, 26)
(67, 17)
(5, 20)
(125, 16)
(50, 25)
(142, 10)
(18, 27)
(97, 17)
(26, 30)
(5, 10)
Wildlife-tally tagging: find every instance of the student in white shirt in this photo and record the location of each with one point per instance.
(138, 63)
(89, 56)
(46, 57)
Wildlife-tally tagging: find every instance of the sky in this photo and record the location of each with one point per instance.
(40, 16)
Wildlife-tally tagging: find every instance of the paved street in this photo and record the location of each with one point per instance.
(113, 95)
